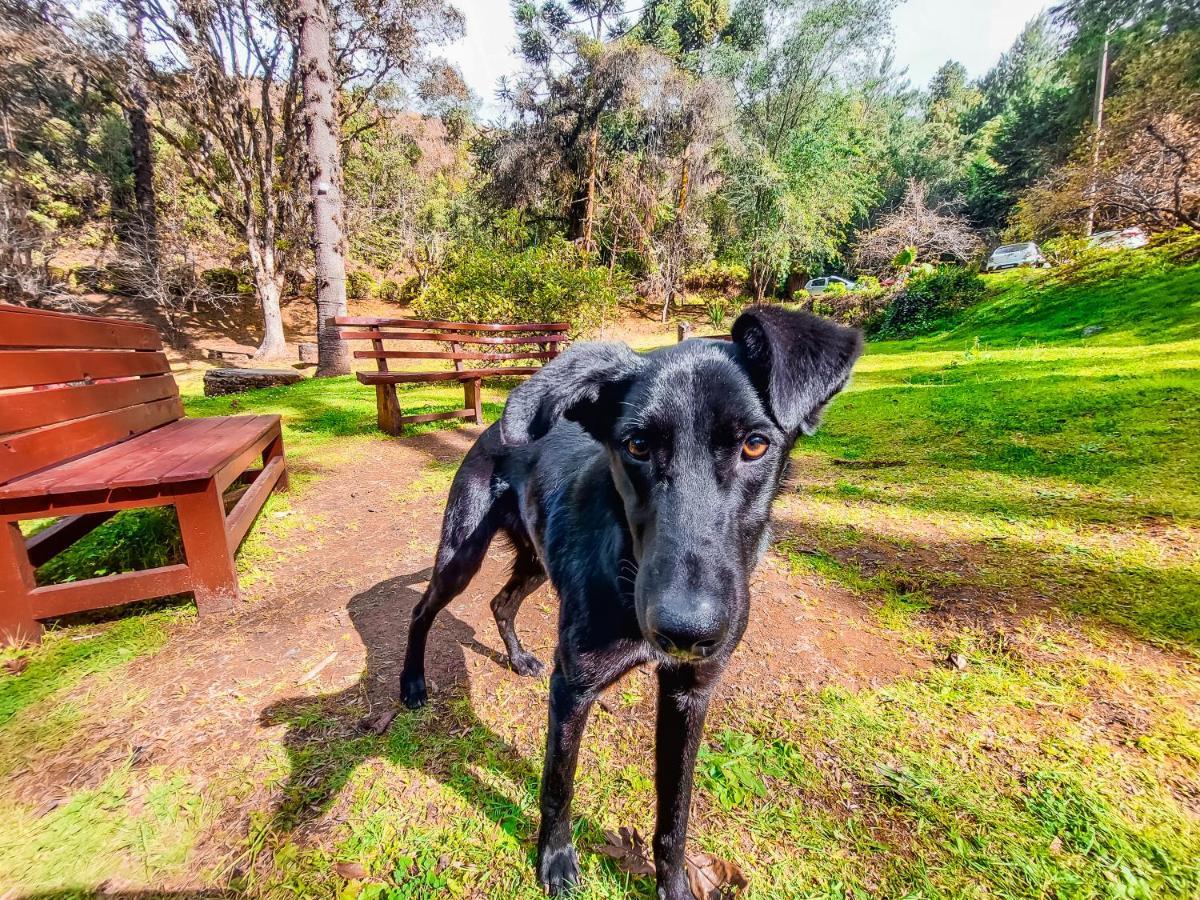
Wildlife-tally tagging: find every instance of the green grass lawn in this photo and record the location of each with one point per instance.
(1006, 488)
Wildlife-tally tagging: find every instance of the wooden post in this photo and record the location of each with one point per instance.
(389, 412)
(210, 565)
(275, 450)
(473, 389)
(17, 624)
(387, 404)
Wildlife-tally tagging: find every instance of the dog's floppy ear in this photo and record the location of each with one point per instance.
(584, 385)
(797, 362)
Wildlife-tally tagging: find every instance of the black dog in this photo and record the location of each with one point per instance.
(643, 486)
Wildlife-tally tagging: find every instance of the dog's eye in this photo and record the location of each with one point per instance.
(754, 446)
(638, 447)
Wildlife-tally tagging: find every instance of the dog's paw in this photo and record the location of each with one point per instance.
(412, 691)
(558, 870)
(525, 663)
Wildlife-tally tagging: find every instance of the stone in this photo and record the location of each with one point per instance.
(218, 382)
(1092, 329)
(308, 353)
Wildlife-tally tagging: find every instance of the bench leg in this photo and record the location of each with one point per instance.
(274, 450)
(206, 547)
(17, 624)
(389, 409)
(474, 399)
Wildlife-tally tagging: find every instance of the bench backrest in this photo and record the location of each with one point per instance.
(549, 337)
(71, 384)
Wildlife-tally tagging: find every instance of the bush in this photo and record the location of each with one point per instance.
(928, 298)
(836, 289)
(223, 281)
(715, 277)
(360, 286)
(389, 290)
(717, 311)
(551, 282)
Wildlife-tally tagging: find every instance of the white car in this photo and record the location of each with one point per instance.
(1012, 255)
(1125, 239)
(819, 285)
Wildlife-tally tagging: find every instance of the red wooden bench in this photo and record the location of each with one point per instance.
(91, 423)
(548, 337)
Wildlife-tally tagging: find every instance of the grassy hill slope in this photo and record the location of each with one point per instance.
(1082, 454)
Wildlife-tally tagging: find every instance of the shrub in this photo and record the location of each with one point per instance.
(716, 277)
(389, 290)
(551, 282)
(836, 289)
(223, 281)
(928, 298)
(717, 311)
(360, 286)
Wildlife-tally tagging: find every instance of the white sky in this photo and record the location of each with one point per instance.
(928, 32)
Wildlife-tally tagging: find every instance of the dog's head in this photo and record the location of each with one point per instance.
(698, 437)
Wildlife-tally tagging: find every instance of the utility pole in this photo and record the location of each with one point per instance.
(1098, 122)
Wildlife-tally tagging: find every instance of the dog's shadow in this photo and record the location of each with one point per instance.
(329, 736)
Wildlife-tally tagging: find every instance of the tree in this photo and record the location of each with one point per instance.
(145, 225)
(547, 160)
(62, 141)
(938, 232)
(1150, 172)
(805, 165)
(322, 139)
(227, 95)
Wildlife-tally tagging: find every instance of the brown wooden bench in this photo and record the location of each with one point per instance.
(550, 338)
(91, 423)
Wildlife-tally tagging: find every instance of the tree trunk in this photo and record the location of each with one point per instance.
(267, 285)
(590, 212)
(146, 227)
(323, 148)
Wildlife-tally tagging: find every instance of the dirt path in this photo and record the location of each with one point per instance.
(326, 626)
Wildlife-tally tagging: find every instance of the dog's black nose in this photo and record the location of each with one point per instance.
(690, 630)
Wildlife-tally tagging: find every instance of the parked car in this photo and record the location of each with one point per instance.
(1010, 256)
(819, 285)
(1124, 239)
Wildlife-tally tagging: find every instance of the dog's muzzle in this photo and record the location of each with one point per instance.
(688, 629)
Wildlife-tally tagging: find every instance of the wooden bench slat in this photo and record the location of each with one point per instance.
(449, 338)
(228, 441)
(464, 375)
(78, 596)
(436, 325)
(122, 467)
(241, 517)
(30, 328)
(35, 408)
(54, 443)
(185, 450)
(437, 354)
(30, 368)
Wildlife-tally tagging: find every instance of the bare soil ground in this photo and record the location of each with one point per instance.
(342, 593)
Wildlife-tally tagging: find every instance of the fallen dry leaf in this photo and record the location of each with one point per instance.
(709, 877)
(17, 665)
(713, 878)
(378, 723)
(629, 849)
(350, 871)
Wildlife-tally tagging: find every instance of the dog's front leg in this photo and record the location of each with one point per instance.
(683, 696)
(557, 862)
